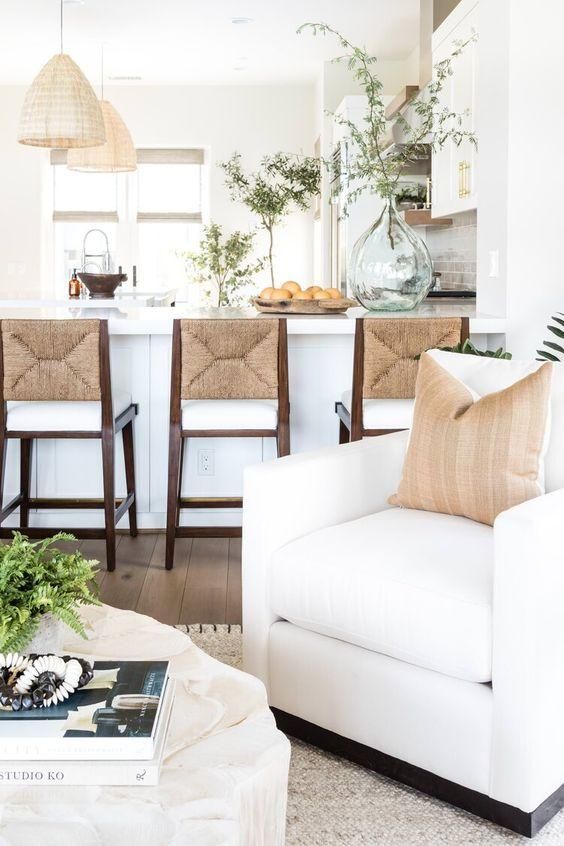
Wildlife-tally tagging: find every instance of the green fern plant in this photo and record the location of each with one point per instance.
(38, 579)
(555, 351)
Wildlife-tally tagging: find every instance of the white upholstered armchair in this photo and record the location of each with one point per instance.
(425, 646)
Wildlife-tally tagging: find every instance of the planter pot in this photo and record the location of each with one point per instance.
(48, 637)
(390, 267)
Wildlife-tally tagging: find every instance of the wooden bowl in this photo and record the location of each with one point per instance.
(102, 286)
(291, 306)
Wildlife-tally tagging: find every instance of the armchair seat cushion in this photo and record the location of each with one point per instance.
(229, 414)
(383, 413)
(413, 585)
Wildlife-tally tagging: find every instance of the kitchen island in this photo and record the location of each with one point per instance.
(320, 369)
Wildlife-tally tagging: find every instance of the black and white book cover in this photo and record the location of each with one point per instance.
(114, 716)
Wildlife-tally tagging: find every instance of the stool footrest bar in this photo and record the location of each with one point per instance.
(211, 502)
(208, 531)
(11, 506)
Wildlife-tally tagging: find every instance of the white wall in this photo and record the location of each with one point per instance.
(535, 228)
(255, 120)
(20, 203)
(520, 134)
(492, 128)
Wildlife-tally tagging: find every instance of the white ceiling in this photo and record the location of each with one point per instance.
(194, 41)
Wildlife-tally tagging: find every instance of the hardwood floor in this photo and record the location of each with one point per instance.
(203, 587)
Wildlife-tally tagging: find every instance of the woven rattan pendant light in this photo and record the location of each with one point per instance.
(60, 108)
(118, 154)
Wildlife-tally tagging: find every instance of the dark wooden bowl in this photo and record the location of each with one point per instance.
(102, 286)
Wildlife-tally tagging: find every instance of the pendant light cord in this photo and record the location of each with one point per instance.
(102, 72)
(61, 26)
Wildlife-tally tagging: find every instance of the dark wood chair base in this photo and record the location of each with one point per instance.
(527, 824)
(178, 441)
(113, 511)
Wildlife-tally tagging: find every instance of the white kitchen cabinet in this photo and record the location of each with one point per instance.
(454, 168)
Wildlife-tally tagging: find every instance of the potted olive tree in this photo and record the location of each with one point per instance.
(42, 589)
(221, 265)
(282, 183)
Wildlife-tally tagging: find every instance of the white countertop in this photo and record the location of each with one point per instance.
(125, 318)
(126, 298)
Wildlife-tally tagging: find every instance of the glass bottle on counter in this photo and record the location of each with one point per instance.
(74, 285)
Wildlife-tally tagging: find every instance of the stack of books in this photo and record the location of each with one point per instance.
(113, 731)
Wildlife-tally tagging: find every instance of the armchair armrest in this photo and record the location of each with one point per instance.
(528, 652)
(294, 496)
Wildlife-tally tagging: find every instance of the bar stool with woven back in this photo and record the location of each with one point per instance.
(386, 359)
(229, 380)
(55, 383)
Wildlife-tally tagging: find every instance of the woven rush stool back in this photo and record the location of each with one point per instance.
(391, 347)
(47, 360)
(229, 359)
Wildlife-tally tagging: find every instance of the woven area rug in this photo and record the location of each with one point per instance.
(334, 802)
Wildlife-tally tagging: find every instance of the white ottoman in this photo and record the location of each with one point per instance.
(225, 777)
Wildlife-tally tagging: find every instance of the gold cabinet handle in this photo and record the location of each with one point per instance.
(463, 179)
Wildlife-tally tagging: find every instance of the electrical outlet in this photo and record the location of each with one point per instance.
(494, 264)
(206, 462)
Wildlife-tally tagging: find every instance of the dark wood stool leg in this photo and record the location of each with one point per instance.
(283, 439)
(3, 447)
(344, 434)
(129, 458)
(183, 449)
(108, 460)
(174, 451)
(26, 445)
(356, 432)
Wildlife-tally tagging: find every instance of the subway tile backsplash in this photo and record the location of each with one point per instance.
(453, 250)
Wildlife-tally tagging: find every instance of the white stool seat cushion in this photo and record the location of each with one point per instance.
(383, 413)
(229, 414)
(413, 585)
(83, 416)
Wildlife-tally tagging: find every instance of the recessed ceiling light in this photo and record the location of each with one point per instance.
(241, 20)
(73, 2)
(125, 78)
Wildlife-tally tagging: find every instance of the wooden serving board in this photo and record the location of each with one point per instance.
(303, 306)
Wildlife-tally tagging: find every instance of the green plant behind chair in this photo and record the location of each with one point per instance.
(555, 351)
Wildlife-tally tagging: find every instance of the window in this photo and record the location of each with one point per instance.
(149, 217)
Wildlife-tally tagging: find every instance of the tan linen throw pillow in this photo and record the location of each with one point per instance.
(474, 457)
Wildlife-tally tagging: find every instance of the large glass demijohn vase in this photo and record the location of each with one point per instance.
(390, 267)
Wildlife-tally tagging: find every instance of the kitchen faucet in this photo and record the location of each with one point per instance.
(89, 258)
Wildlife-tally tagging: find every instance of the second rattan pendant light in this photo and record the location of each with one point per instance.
(117, 155)
(60, 108)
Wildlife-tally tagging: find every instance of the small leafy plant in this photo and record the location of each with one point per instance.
(283, 181)
(221, 265)
(468, 348)
(554, 351)
(412, 193)
(37, 579)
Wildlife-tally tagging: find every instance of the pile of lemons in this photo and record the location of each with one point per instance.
(293, 291)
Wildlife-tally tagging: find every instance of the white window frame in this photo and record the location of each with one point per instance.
(126, 215)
